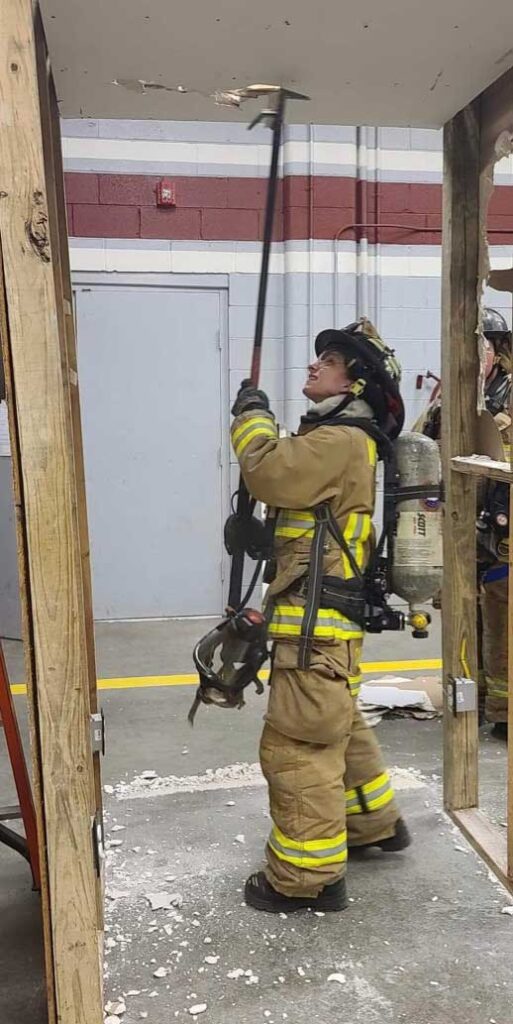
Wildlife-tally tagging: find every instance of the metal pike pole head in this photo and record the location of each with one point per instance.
(236, 97)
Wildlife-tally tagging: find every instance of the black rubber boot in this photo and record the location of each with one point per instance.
(260, 894)
(500, 731)
(399, 841)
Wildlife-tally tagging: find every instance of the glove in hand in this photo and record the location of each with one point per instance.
(249, 398)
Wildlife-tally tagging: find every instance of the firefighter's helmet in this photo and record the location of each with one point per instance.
(373, 366)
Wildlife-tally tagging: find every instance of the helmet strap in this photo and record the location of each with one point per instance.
(358, 387)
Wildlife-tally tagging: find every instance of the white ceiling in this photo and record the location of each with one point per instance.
(383, 62)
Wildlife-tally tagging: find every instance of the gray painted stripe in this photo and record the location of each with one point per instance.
(160, 167)
(502, 179)
(166, 131)
(237, 132)
(79, 128)
(412, 177)
(293, 167)
(98, 165)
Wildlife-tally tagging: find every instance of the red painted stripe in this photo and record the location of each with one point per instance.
(232, 209)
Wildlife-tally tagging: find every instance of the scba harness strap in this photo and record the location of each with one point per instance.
(345, 596)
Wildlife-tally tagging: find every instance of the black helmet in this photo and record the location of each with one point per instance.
(494, 325)
(375, 368)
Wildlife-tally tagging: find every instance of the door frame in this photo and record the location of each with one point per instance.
(84, 280)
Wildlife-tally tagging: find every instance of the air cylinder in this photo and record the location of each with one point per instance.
(417, 565)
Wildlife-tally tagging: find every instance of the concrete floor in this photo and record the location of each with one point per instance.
(422, 942)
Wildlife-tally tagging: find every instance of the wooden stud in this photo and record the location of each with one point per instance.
(482, 468)
(27, 623)
(57, 612)
(509, 814)
(496, 119)
(459, 404)
(487, 838)
(59, 238)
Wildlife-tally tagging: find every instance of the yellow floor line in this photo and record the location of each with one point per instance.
(142, 682)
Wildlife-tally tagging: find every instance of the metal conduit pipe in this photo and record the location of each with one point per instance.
(409, 228)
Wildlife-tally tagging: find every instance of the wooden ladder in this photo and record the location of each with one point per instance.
(27, 844)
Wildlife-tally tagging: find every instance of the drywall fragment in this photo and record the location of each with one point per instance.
(164, 900)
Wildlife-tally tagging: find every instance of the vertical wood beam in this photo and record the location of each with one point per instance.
(58, 623)
(509, 813)
(52, 153)
(28, 648)
(460, 365)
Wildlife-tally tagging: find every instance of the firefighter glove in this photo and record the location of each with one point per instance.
(249, 398)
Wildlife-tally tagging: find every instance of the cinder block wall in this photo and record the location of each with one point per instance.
(326, 270)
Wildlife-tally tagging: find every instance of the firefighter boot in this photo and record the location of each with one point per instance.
(260, 894)
(399, 841)
(499, 731)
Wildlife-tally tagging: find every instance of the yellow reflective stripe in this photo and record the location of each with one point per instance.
(310, 853)
(253, 421)
(346, 632)
(278, 629)
(380, 801)
(354, 685)
(349, 530)
(372, 450)
(371, 787)
(330, 624)
(496, 687)
(296, 611)
(309, 844)
(294, 524)
(292, 531)
(257, 432)
(249, 429)
(290, 516)
(356, 533)
(359, 551)
(377, 793)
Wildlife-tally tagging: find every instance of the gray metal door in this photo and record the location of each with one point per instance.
(150, 384)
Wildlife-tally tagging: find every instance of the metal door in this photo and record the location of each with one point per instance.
(150, 384)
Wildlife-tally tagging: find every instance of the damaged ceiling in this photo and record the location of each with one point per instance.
(382, 62)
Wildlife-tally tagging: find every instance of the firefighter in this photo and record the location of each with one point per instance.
(328, 786)
(493, 531)
(492, 535)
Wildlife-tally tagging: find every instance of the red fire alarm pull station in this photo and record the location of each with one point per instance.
(166, 192)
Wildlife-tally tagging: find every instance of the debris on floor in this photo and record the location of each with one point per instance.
(164, 900)
(396, 697)
(195, 939)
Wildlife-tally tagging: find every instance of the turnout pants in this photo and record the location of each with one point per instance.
(328, 786)
(494, 612)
